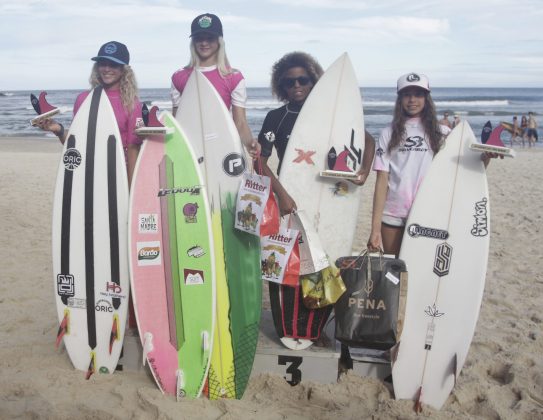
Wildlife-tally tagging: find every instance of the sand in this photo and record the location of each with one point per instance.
(502, 378)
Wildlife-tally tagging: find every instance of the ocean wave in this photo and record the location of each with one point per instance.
(449, 103)
(6, 94)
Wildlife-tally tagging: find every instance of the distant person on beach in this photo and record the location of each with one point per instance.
(445, 120)
(456, 120)
(405, 150)
(531, 133)
(293, 77)
(208, 55)
(523, 128)
(515, 130)
(113, 72)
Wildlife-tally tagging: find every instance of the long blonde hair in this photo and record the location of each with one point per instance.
(128, 85)
(223, 65)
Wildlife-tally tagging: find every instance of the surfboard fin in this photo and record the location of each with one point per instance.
(152, 124)
(147, 346)
(42, 108)
(64, 327)
(394, 352)
(205, 341)
(92, 366)
(455, 367)
(418, 402)
(114, 336)
(180, 384)
(494, 144)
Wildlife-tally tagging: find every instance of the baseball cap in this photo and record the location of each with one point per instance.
(113, 51)
(207, 22)
(413, 79)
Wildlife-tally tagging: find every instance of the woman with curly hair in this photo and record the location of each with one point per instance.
(113, 73)
(293, 77)
(404, 153)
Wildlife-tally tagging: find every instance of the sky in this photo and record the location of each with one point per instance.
(47, 44)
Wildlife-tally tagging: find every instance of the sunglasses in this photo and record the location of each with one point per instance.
(290, 82)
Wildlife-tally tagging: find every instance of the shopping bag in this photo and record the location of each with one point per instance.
(257, 211)
(313, 258)
(370, 313)
(322, 288)
(280, 255)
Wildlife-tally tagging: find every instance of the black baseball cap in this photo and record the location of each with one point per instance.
(206, 23)
(113, 51)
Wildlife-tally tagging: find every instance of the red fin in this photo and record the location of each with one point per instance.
(418, 403)
(494, 139)
(44, 105)
(114, 333)
(91, 369)
(153, 120)
(63, 328)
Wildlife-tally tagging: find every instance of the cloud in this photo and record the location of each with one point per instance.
(399, 27)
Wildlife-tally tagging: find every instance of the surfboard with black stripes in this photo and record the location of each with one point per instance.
(89, 238)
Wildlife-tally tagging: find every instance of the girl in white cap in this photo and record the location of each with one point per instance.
(405, 150)
(208, 54)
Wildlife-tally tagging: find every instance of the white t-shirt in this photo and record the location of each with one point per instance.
(406, 165)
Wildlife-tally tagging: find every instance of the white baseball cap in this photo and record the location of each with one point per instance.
(414, 79)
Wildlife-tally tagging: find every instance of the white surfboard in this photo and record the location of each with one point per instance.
(328, 137)
(331, 121)
(445, 247)
(89, 238)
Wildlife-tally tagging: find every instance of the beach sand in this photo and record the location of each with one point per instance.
(502, 378)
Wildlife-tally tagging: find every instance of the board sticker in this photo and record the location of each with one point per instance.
(148, 253)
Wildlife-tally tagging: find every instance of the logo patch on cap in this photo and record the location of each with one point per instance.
(413, 77)
(110, 48)
(204, 22)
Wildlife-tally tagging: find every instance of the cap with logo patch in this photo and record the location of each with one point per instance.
(206, 23)
(113, 51)
(414, 79)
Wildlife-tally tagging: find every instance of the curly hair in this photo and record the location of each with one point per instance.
(429, 122)
(129, 86)
(288, 61)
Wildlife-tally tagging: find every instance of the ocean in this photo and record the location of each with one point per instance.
(476, 105)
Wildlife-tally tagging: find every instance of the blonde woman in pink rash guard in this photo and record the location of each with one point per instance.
(113, 72)
(208, 54)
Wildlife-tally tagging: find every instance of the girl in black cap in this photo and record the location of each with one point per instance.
(113, 72)
(208, 54)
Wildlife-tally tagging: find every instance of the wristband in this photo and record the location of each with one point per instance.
(60, 134)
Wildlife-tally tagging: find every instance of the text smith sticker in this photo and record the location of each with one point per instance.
(148, 253)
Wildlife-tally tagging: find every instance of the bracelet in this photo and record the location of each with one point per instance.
(60, 134)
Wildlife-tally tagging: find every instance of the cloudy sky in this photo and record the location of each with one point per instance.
(47, 44)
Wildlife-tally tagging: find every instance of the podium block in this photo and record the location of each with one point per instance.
(317, 363)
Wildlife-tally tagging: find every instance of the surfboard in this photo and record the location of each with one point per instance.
(445, 247)
(89, 238)
(213, 135)
(171, 262)
(327, 136)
